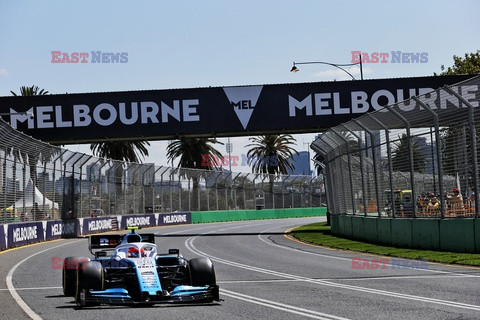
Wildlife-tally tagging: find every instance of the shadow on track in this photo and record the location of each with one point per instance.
(73, 306)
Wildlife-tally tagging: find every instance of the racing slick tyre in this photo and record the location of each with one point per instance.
(69, 274)
(202, 272)
(89, 277)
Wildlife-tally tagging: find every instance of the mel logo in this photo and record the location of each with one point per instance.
(243, 100)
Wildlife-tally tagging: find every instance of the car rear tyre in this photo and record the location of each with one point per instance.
(69, 274)
(202, 272)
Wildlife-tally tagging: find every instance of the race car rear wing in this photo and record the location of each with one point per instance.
(104, 242)
(107, 242)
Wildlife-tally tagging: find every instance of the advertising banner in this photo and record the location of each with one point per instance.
(3, 242)
(141, 220)
(20, 234)
(96, 225)
(53, 229)
(70, 228)
(173, 218)
(222, 111)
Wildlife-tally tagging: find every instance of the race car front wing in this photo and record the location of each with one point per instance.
(180, 294)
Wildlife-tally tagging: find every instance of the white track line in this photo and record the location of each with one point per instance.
(351, 279)
(191, 247)
(285, 280)
(280, 306)
(13, 291)
(359, 253)
(38, 288)
(259, 301)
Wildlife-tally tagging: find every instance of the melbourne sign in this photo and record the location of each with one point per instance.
(147, 220)
(174, 218)
(223, 111)
(95, 225)
(20, 234)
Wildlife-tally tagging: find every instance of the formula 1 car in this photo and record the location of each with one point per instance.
(136, 274)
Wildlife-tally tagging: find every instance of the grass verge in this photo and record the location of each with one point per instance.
(320, 234)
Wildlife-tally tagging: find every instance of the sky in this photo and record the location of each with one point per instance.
(189, 44)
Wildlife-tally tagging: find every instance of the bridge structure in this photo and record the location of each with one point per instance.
(213, 111)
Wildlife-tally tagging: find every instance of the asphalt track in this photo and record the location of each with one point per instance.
(262, 275)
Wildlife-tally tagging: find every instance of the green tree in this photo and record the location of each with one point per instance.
(468, 65)
(33, 155)
(127, 151)
(351, 146)
(271, 154)
(130, 151)
(400, 159)
(194, 153)
(30, 91)
(319, 162)
(453, 137)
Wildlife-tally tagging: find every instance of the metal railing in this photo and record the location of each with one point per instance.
(414, 158)
(39, 181)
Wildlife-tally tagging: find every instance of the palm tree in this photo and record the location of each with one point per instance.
(128, 151)
(33, 155)
(319, 161)
(195, 153)
(30, 91)
(400, 159)
(351, 146)
(131, 151)
(271, 154)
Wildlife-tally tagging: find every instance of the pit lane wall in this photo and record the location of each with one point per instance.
(456, 235)
(19, 234)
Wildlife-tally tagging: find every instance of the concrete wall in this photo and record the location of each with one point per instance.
(238, 215)
(457, 235)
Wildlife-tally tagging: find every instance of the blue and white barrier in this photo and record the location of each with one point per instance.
(19, 234)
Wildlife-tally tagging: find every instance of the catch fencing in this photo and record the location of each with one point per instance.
(414, 158)
(39, 181)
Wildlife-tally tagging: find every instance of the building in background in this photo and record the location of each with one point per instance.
(301, 163)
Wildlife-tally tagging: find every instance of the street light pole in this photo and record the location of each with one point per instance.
(339, 66)
(229, 150)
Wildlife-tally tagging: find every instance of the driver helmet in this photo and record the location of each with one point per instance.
(133, 252)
